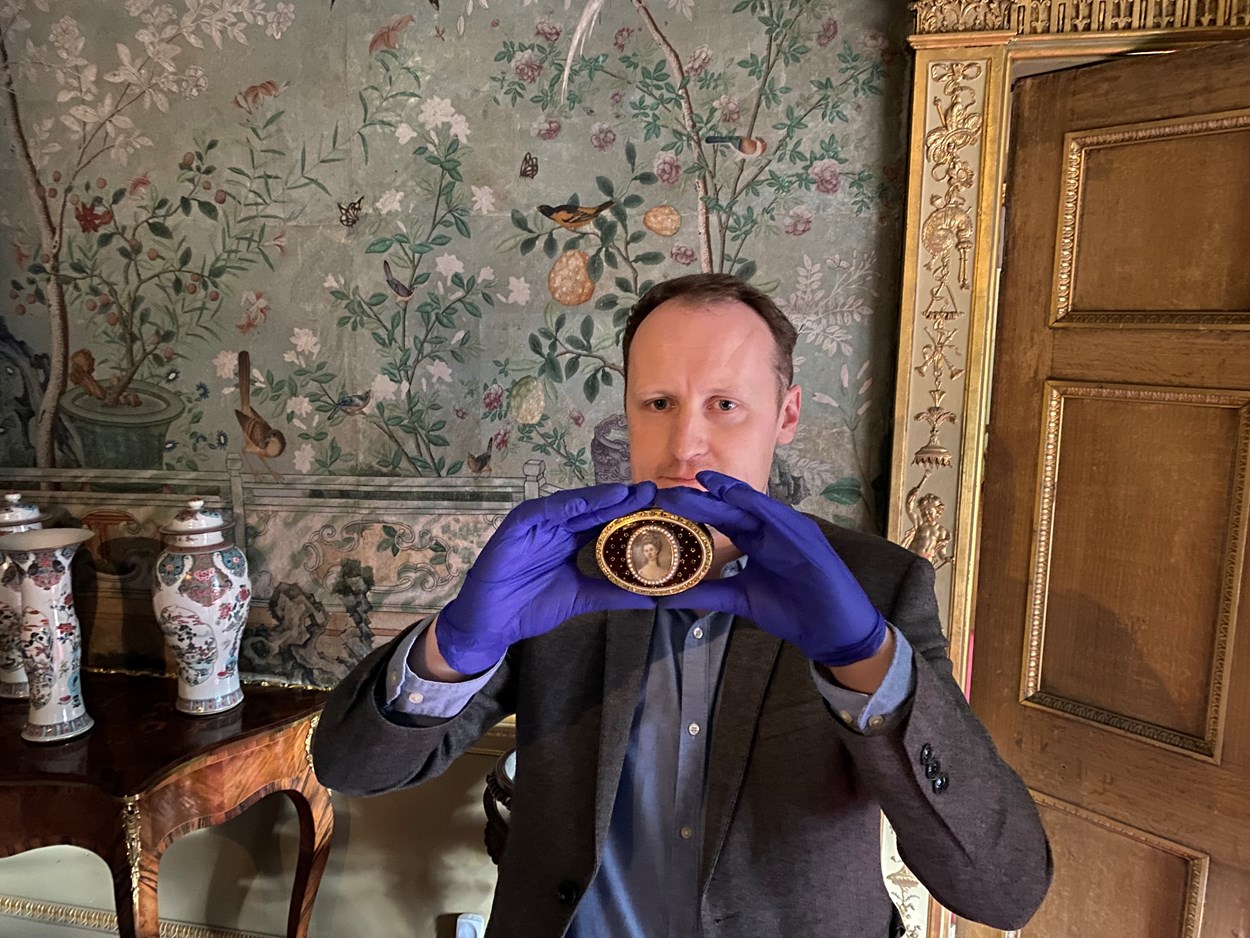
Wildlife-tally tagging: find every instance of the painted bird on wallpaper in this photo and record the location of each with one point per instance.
(479, 465)
(574, 216)
(400, 290)
(351, 404)
(746, 147)
(259, 438)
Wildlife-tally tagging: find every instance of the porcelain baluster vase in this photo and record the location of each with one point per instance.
(14, 518)
(201, 593)
(51, 637)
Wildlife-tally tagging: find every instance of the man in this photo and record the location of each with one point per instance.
(711, 763)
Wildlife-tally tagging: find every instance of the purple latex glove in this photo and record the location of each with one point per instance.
(526, 582)
(794, 584)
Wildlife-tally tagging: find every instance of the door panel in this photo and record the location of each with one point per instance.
(1112, 572)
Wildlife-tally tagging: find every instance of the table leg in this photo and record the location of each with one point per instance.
(134, 892)
(316, 824)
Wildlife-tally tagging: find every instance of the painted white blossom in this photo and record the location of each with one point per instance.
(333, 283)
(300, 406)
(280, 20)
(225, 363)
(384, 389)
(459, 127)
(304, 458)
(448, 264)
(483, 199)
(518, 291)
(440, 371)
(404, 133)
(435, 112)
(389, 201)
(305, 341)
(486, 273)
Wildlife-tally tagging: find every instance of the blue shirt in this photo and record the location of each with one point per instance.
(647, 885)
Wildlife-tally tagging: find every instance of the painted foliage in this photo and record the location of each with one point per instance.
(377, 239)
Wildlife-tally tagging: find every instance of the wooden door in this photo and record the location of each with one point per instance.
(1112, 656)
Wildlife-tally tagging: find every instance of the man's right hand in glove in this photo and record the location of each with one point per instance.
(526, 582)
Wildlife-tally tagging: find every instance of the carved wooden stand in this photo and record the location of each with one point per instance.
(146, 775)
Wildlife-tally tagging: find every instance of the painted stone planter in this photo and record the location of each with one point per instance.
(14, 517)
(200, 593)
(122, 437)
(51, 638)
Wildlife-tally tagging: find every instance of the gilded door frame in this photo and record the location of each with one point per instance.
(967, 52)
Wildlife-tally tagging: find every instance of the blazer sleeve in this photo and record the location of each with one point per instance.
(975, 840)
(361, 749)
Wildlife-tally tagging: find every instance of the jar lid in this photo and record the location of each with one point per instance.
(195, 519)
(16, 512)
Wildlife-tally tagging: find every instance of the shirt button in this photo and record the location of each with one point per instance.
(693, 729)
(697, 632)
(845, 715)
(876, 722)
(415, 697)
(686, 833)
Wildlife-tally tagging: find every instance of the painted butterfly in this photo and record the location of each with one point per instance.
(349, 214)
(529, 166)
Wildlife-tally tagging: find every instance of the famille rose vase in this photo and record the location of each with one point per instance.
(14, 518)
(201, 594)
(51, 639)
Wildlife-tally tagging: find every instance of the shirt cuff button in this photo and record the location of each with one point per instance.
(416, 698)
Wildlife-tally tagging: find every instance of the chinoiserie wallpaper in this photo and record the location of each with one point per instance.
(358, 268)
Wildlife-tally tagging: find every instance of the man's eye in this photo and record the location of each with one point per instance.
(725, 405)
(660, 404)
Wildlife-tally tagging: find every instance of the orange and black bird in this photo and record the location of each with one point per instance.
(479, 465)
(574, 216)
(259, 438)
(746, 147)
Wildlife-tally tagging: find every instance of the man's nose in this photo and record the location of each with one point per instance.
(688, 436)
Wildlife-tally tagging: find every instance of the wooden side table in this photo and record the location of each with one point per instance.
(147, 774)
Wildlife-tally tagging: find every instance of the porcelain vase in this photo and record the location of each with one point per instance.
(15, 517)
(51, 638)
(200, 594)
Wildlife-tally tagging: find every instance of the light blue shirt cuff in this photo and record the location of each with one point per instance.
(413, 695)
(871, 713)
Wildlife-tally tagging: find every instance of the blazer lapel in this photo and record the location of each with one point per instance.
(628, 640)
(749, 663)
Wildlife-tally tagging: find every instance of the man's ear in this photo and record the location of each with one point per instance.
(788, 417)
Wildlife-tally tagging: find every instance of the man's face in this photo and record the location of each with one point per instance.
(702, 394)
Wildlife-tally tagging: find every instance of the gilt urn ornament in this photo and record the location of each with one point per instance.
(200, 595)
(15, 516)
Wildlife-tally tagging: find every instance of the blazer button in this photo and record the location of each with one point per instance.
(940, 784)
(931, 769)
(926, 754)
(567, 892)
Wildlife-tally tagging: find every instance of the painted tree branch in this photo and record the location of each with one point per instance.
(50, 245)
(687, 111)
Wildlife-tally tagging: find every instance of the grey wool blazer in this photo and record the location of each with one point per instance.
(791, 832)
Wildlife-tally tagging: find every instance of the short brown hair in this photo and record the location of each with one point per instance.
(712, 288)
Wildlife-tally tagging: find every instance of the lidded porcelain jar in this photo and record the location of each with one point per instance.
(201, 592)
(15, 516)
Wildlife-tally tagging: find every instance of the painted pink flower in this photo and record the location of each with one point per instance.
(526, 67)
(548, 28)
(616, 98)
(729, 109)
(500, 439)
(89, 221)
(622, 37)
(700, 58)
(826, 175)
(492, 398)
(255, 311)
(798, 221)
(682, 254)
(545, 128)
(577, 417)
(668, 167)
(828, 32)
(602, 136)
